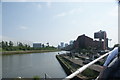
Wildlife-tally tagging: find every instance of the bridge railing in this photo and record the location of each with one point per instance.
(85, 67)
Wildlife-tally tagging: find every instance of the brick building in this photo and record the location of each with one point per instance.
(85, 42)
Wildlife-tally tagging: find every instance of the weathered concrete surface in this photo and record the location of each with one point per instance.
(70, 65)
(67, 69)
(95, 67)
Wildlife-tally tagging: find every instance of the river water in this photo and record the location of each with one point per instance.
(30, 65)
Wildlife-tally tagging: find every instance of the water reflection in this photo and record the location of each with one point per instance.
(29, 65)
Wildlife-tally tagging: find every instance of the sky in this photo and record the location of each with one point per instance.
(56, 22)
(0, 20)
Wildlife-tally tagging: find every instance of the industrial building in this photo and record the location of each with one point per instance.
(37, 45)
(85, 42)
(103, 40)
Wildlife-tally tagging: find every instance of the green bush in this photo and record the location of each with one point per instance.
(36, 78)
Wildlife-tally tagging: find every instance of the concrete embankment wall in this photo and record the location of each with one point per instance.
(27, 52)
(66, 68)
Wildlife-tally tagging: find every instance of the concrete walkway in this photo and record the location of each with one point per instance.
(78, 61)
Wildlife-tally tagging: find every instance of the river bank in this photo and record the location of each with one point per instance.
(67, 67)
(26, 52)
(71, 66)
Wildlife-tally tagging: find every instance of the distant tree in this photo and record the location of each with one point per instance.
(10, 43)
(43, 45)
(47, 44)
(0, 44)
(9, 46)
(27, 47)
(20, 45)
(5, 45)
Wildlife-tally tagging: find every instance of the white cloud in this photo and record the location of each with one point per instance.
(74, 22)
(75, 11)
(71, 12)
(39, 6)
(61, 14)
(23, 27)
(113, 12)
(49, 4)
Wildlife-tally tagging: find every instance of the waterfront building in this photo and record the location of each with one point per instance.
(103, 40)
(37, 45)
(83, 42)
(98, 45)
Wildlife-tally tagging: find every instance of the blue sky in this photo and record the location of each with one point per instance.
(56, 22)
(0, 21)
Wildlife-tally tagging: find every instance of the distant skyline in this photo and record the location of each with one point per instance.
(57, 22)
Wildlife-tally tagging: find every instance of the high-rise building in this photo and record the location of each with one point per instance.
(71, 42)
(66, 44)
(58, 46)
(62, 44)
(102, 35)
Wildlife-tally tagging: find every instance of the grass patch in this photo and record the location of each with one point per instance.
(0, 49)
(90, 73)
(36, 78)
(27, 52)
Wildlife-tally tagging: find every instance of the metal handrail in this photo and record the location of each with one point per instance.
(85, 67)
